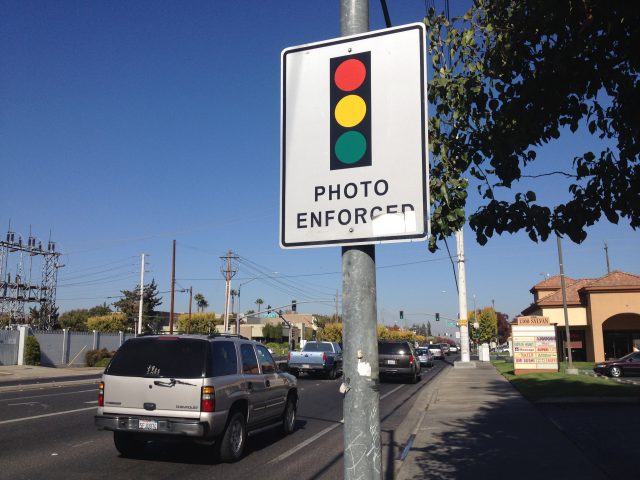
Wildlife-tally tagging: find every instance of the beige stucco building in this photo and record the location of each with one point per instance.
(302, 324)
(604, 313)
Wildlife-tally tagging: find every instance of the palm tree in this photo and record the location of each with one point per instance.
(234, 294)
(259, 302)
(201, 302)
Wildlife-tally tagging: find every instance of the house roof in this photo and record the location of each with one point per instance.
(615, 280)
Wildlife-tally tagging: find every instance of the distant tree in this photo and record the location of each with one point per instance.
(129, 305)
(201, 302)
(250, 312)
(331, 332)
(75, 320)
(487, 325)
(100, 310)
(200, 323)
(44, 318)
(115, 322)
(5, 320)
(504, 327)
(272, 332)
(259, 302)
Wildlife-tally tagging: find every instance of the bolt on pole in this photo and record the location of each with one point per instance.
(362, 451)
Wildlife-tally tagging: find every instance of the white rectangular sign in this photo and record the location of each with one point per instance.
(354, 166)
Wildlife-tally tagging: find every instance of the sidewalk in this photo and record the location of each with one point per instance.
(26, 377)
(476, 425)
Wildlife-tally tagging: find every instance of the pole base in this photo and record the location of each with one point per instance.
(461, 364)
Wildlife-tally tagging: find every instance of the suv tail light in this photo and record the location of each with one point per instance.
(410, 359)
(324, 357)
(208, 399)
(101, 394)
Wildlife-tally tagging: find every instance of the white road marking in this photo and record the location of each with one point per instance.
(14, 420)
(310, 440)
(306, 442)
(92, 402)
(391, 391)
(47, 395)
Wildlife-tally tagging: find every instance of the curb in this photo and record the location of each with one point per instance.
(417, 416)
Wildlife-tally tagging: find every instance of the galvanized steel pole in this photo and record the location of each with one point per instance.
(564, 303)
(362, 452)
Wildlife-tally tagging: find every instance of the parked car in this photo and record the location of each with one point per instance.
(436, 351)
(445, 348)
(398, 359)
(425, 356)
(453, 349)
(621, 367)
(318, 358)
(209, 389)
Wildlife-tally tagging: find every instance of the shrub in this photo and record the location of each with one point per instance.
(103, 362)
(116, 322)
(202, 322)
(31, 351)
(94, 357)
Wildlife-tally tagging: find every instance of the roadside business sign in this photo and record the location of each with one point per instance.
(354, 166)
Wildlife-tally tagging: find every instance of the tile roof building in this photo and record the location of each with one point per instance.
(604, 313)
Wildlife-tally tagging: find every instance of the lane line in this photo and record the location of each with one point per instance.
(46, 395)
(91, 402)
(309, 440)
(14, 420)
(392, 391)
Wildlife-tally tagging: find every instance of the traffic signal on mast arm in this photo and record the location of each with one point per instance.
(437, 317)
(401, 315)
(350, 115)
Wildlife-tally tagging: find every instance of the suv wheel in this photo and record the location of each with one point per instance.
(333, 373)
(234, 438)
(289, 417)
(127, 444)
(615, 372)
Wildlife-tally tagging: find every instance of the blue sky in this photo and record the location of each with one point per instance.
(125, 125)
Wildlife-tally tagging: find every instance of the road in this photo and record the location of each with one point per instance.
(49, 433)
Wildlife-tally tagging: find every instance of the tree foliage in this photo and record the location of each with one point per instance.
(272, 331)
(331, 332)
(487, 325)
(115, 322)
(201, 322)
(512, 76)
(44, 318)
(201, 302)
(75, 320)
(129, 305)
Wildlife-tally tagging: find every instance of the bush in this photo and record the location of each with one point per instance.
(94, 358)
(201, 322)
(116, 322)
(31, 351)
(278, 349)
(103, 362)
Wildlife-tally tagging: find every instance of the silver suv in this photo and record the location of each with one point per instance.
(213, 390)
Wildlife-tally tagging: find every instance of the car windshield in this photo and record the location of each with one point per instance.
(421, 351)
(159, 357)
(434, 347)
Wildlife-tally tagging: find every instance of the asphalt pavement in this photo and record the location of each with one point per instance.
(470, 424)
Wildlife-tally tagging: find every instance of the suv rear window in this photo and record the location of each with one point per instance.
(401, 348)
(162, 357)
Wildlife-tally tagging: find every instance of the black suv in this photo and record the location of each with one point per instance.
(398, 359)
(212, 390)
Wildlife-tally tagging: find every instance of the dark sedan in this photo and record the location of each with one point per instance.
(625, 366)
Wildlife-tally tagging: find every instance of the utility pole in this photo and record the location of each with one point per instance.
(190, 298)
(173, 286)
(606, 253)
(141, 296)
(462, 299)
(362, 451)
(228, 273)
(564, 304)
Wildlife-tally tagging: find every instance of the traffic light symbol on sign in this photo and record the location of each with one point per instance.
(350, 114)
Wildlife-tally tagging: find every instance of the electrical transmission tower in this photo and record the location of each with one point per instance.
(20, 286)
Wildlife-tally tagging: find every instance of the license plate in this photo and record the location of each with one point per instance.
(305, 366)
(147, 425)
(391, 362)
